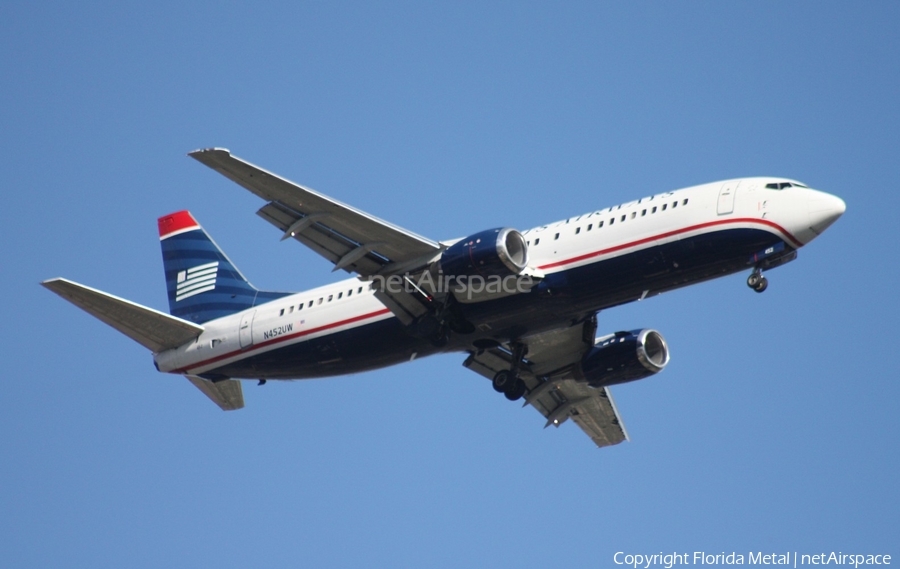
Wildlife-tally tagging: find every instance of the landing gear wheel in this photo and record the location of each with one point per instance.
(757, 281)
(503, 381)
(516, 390)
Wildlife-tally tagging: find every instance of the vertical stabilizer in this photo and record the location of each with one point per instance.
(202, 282)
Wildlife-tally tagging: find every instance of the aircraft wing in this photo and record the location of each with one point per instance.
(552, 390)
(351, 239)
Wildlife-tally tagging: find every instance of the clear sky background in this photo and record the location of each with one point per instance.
(774, 428)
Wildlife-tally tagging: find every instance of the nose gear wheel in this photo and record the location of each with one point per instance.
(757, 281)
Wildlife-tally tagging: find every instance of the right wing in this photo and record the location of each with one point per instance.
(552, 389)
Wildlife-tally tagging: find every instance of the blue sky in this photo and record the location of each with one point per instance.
(774, 428)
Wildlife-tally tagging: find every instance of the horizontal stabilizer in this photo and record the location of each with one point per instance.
(227, 393)
(150, 328)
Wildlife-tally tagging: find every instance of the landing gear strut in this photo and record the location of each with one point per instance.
(757, 281)
(508, 381)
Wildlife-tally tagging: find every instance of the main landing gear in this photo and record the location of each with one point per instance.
(757, 281)
(508, 381)
(509, 384)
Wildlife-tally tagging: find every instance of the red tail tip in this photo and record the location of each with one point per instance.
(176, 223)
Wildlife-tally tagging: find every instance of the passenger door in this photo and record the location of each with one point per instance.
(726, 197)
(245, 332)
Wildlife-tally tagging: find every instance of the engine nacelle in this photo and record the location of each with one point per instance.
(624, 357)
(497, 252)
(486, 265)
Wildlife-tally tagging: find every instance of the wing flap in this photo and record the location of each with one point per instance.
(320, 238)
(595, 413)
(150, 328)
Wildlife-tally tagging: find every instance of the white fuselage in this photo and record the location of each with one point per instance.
(794, 214)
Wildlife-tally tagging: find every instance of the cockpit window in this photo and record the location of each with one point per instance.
(783, 185)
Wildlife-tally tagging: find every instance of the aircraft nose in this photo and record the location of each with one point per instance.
(824, 209)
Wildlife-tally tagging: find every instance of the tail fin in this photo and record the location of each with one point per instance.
(202, 282)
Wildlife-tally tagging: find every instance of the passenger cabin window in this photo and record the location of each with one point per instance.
(664, 207)
(536, 241)
(555, 237)
(577, 230)
(653, 210)
(281, 313)
(684, 202)
(590, 225)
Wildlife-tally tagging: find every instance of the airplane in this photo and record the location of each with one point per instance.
(522, 306)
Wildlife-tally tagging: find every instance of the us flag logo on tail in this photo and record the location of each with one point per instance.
(196, 280)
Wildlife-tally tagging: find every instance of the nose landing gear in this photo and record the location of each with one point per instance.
(757, 281)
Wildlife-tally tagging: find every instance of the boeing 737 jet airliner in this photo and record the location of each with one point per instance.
(521, 305)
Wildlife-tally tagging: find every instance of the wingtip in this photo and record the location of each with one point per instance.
(200, 152)
(48, 284)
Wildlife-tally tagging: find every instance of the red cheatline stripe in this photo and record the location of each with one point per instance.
(279, 339)
(173, 222)
(669, 234)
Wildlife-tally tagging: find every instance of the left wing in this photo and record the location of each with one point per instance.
(552, 389)
(351, 239)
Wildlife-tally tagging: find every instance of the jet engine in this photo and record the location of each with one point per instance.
(624, 357)
(496, 252)
(486, 265)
